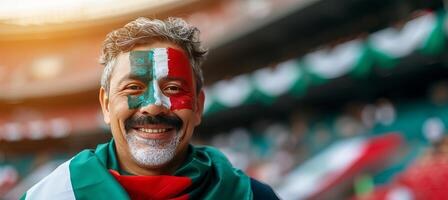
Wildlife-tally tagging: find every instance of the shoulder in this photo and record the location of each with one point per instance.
(261, 190)
(207, 153)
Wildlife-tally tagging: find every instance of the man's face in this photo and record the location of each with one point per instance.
(152, 106)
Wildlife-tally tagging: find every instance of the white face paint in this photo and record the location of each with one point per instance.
(161, 71)
(153, 153)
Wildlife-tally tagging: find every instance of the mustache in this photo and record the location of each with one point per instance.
(174, 121)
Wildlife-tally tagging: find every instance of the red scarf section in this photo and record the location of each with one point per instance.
(153, 187)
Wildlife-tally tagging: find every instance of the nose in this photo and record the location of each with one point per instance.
(153, 109)
(154, 102)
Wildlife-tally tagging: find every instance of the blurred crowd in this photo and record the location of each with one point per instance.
(270, 150)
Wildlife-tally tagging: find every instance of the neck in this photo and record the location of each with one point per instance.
(131, 166)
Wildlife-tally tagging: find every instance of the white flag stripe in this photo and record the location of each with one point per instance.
(57, 185)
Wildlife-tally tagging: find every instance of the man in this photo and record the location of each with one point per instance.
(151, 97)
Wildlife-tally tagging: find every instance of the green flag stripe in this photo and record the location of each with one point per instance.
(213, 176)
(91, 179)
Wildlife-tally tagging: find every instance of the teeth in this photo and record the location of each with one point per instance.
(147, 130)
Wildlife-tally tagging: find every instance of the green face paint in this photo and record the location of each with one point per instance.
(142, 68)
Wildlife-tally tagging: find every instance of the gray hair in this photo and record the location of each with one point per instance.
(146, 31)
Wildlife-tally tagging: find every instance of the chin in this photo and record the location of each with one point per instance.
(152, 153)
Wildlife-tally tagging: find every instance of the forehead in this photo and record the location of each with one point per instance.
(122, 67)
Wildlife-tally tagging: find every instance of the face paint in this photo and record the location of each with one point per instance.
(162, 63)
(180, 68)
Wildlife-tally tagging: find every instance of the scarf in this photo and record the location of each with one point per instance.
(95, 174)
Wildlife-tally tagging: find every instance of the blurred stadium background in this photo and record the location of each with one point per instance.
(322, 99)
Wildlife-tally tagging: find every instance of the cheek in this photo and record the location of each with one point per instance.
(119, 109)
(187, 117)
(182, 102)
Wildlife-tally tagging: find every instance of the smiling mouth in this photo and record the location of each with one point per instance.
(154, 133)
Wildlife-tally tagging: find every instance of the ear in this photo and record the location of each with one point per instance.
(104, 101)
(199, 107)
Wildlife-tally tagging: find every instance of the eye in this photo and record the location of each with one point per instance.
(172, 89)
(134, 87)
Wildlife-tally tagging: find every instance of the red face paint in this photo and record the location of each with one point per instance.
(179, 68)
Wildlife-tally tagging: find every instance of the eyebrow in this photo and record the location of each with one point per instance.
(174, 79)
